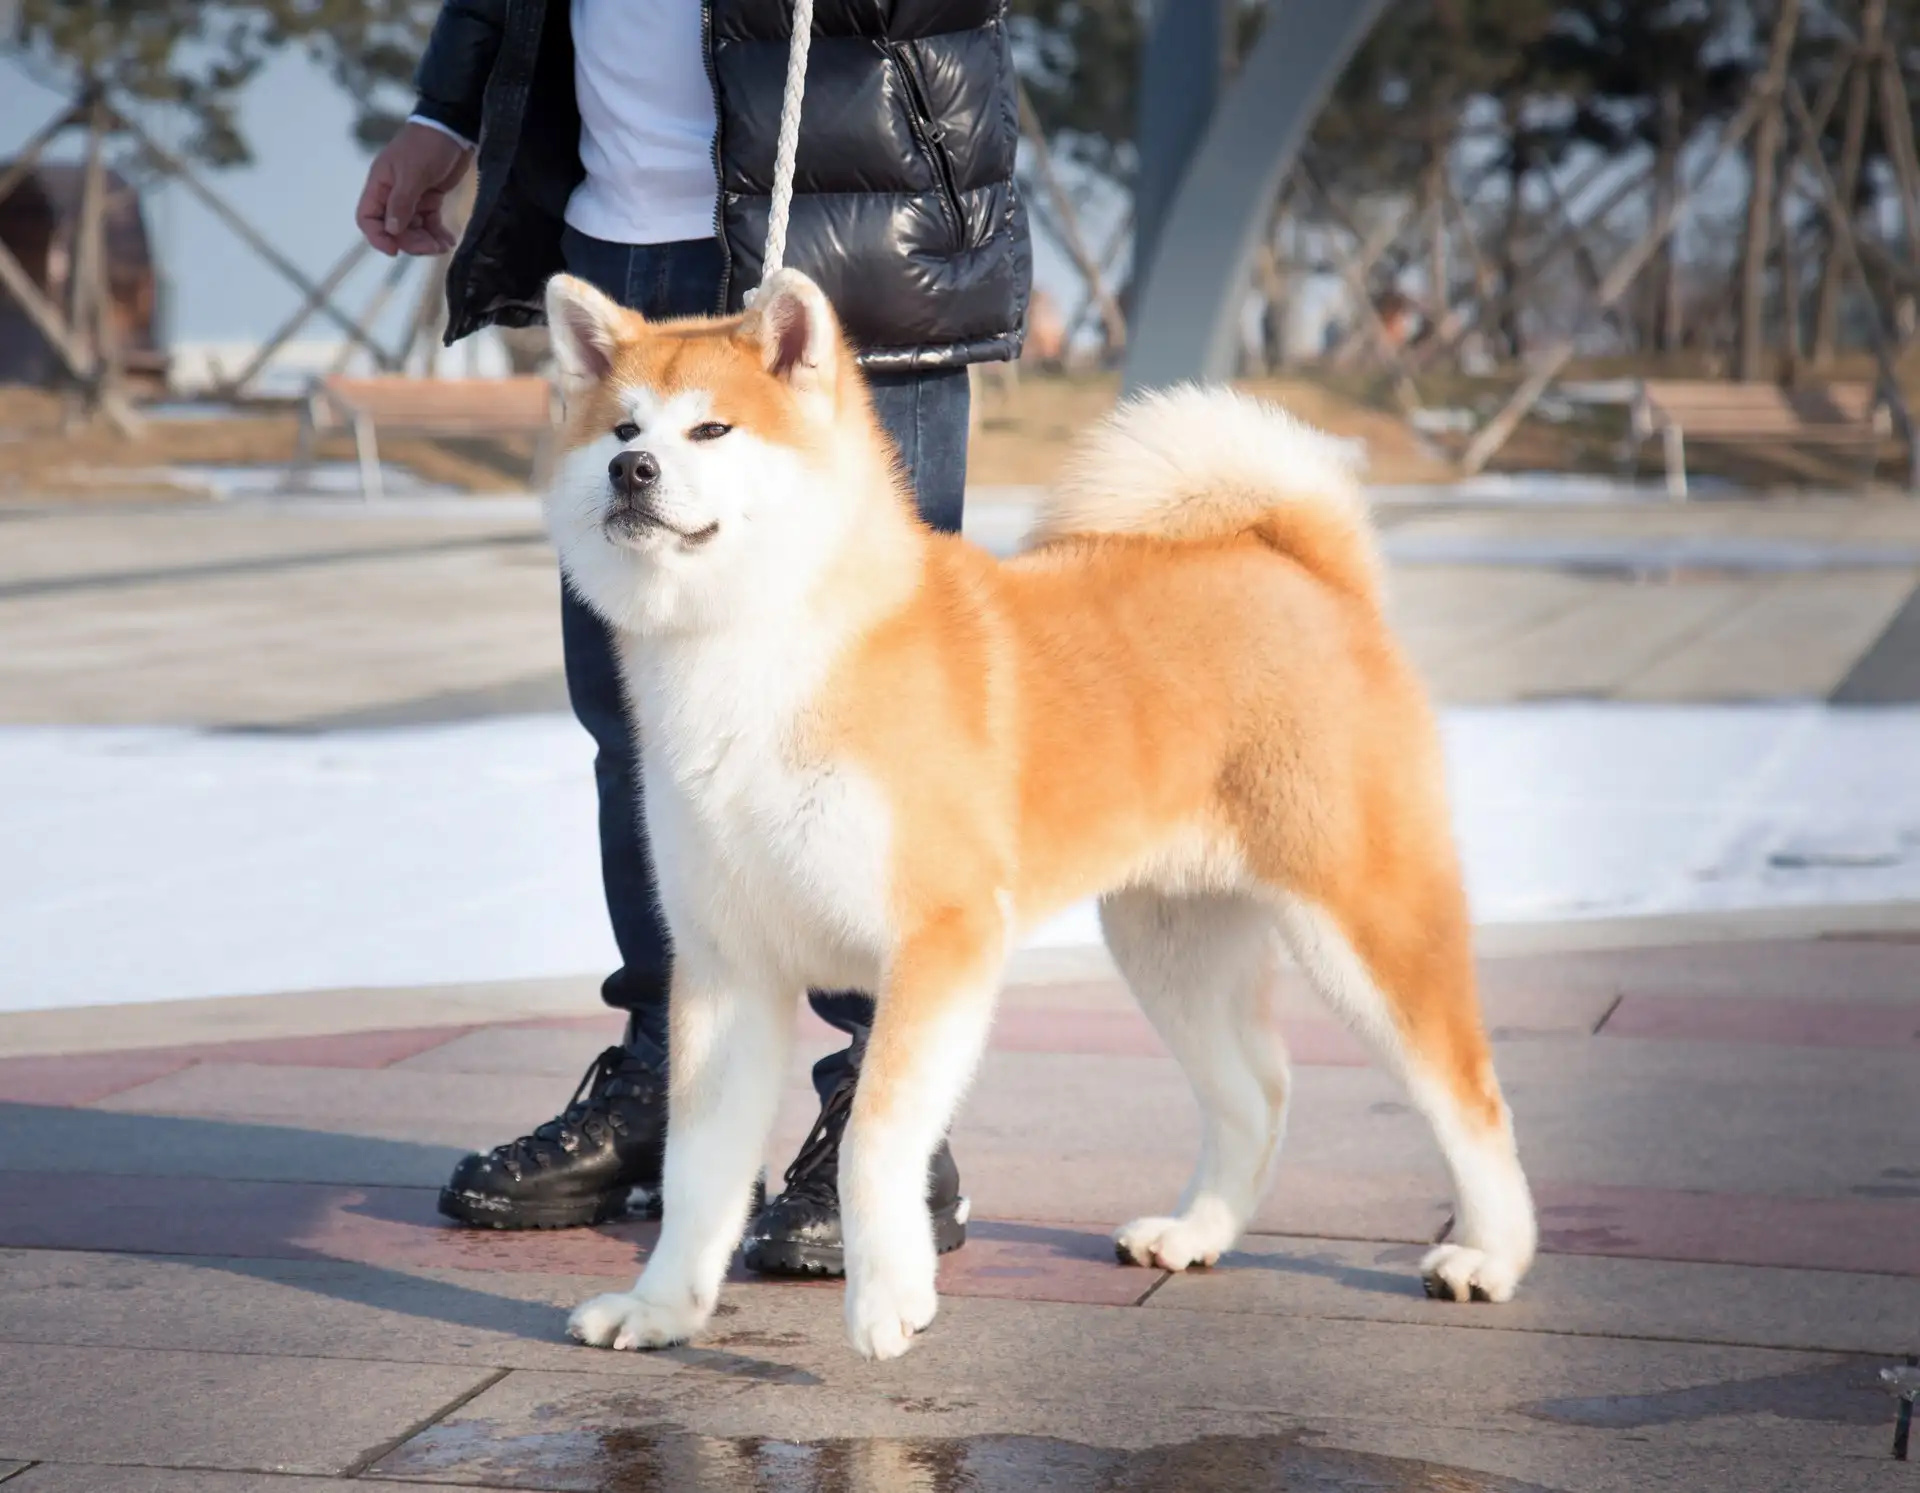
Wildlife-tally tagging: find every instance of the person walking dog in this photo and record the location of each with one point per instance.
(632, 143)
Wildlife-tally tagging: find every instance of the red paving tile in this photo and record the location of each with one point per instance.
(1079, 1028)
(1042, 1262)
(280, 1220)
(398, 1227)
(1776, 1022)
(85, 1078)
(1124, 1034)
(1129, 1034)
(1792, 969)
(1533, 1010)
(376, 1049)
(1100, 1018)
(611, 1022)
(1893, 936)
(1874, 1235)
(1074, 1029)
(1322, 1041)
(1069, 995)
(1401, 1206)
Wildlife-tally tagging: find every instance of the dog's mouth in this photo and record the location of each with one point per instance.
(630, 520)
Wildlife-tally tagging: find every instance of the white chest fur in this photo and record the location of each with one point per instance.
(769, 855)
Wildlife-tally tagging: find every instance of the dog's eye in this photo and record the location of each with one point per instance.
(712, 430)
(626, 431)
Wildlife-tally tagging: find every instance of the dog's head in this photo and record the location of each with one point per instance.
(714, 465)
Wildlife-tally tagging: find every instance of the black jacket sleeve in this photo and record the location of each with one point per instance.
(452, 76)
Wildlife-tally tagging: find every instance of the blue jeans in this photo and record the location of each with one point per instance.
(926, 415)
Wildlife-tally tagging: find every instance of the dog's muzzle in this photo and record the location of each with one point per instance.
(634, 478)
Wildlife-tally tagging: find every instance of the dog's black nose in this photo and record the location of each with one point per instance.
(633, 471)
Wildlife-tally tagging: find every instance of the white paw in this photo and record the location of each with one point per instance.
(1169, 1243)
(626, 1322)
(1456, 1272)
(883, 1313)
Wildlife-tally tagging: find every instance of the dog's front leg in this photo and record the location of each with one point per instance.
(728, 1053)
(930, 1026)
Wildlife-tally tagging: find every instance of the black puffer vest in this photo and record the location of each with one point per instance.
(904, 205)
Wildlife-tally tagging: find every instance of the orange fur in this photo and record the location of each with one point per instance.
(1046, 724)
(1188, 686)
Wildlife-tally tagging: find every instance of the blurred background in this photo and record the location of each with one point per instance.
(1615, 301)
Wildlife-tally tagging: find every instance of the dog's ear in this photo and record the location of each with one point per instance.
(796, 332)
(587, 329)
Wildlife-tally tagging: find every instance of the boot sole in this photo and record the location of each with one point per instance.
(481, 1210)
(794, 1257)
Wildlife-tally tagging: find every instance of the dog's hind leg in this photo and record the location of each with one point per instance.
(1201, 969)
(1400, 972)
(930, 1026)
(730, 1041)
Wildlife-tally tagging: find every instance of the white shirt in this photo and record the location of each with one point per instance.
(646, 122)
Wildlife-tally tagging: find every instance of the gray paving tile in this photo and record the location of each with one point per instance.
(1076, 1374)
(1808, 1310)
(63, 1141)
(1590, 649)
(243, 1412)
(1610, 1463)
(520, 1051)
(1098, 1140)
(320, 1309)
(232, 618)
(1684, 957)
(1120, 1133)
(543, 693)
(1888, 673)
(1103, 1159)
(243, 625)
(70, 1477)
(1449, 615)
(382, 1099)
(74, 540)
(1724, 1117)
(1796, 637)
(238, 1018)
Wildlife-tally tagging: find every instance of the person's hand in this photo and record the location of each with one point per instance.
(407, 183)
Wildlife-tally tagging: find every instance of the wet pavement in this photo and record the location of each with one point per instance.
(221, 1268)
(664, 1459)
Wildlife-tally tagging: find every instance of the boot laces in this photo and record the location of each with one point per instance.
(815, 1170)
(587, 1117)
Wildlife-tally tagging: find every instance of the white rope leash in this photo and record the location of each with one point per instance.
(789, 145)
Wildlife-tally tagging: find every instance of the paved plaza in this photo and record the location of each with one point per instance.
(220, 1264)
(322, 615)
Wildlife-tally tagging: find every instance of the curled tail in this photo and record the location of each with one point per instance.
(1200, 465)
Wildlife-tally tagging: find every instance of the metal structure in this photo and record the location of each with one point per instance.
(1200, 255)
(1180, 67)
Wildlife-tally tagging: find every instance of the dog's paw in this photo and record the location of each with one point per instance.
(1168, 1243)
(1456, 1272)
(627, 1322)
(884, 1314)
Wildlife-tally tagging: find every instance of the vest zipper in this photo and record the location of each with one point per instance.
(719, 178)
(931, 134)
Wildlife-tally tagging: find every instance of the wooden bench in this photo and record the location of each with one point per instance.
(1743, 414)
(525, 404)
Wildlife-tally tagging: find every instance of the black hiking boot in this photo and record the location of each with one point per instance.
(798, 1232)
(579, 1168)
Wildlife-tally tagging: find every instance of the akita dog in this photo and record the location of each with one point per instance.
(875, 755)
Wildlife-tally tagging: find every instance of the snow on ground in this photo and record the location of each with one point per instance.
(163, 864)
